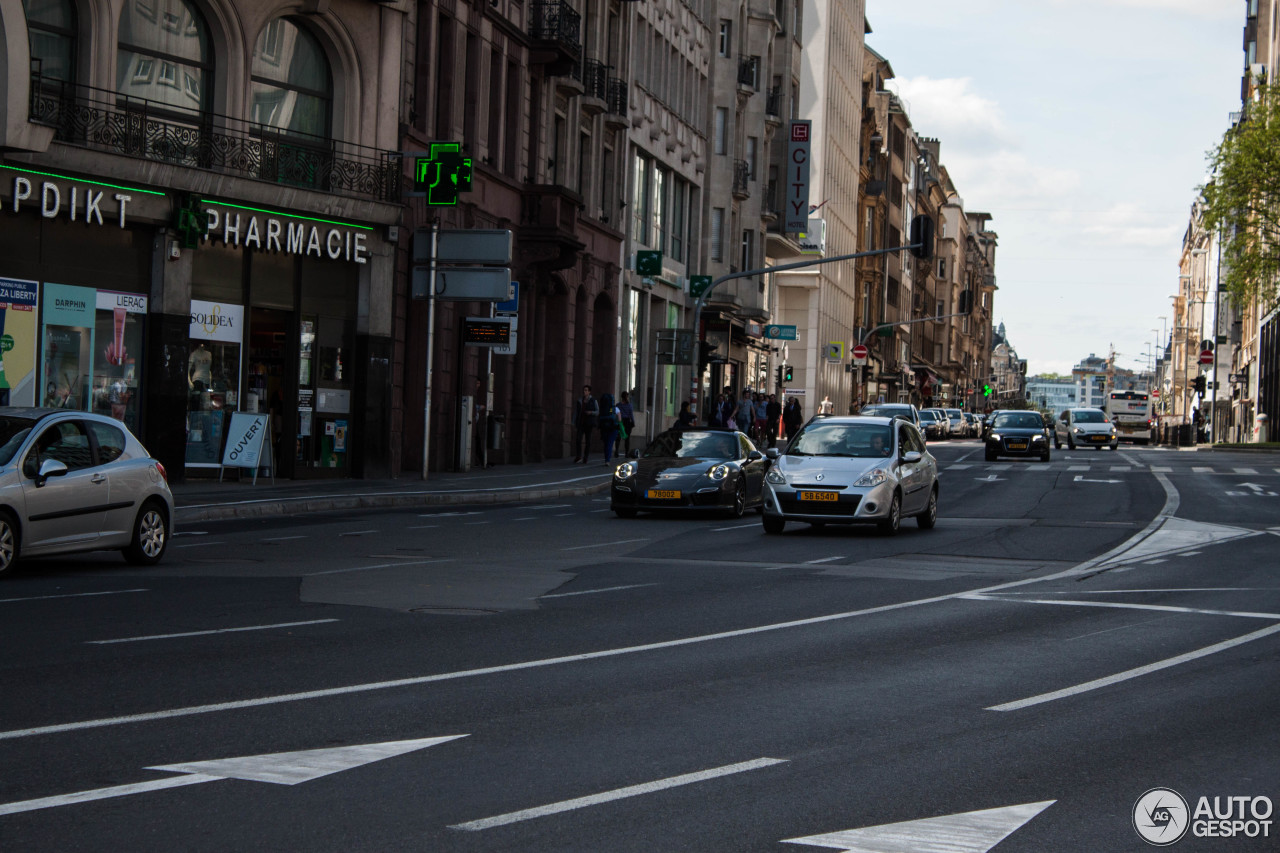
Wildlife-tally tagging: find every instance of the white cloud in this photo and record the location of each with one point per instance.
(949, 108)
(1124, 223)
(1194, 8)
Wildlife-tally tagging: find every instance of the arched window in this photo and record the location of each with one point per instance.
(292, 86)
(164, 55)
(51, 26)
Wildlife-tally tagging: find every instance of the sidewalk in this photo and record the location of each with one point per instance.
(208, 500)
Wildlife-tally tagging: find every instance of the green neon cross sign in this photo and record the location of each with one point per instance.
(442, 174)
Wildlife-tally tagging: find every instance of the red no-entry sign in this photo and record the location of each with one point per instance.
(860, 352)
(1206, 356)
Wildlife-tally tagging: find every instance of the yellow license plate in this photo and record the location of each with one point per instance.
(1098, 438)
(1017, 445)
(818, 496)
(664, 494)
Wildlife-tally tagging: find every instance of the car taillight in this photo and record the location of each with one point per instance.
(163, 473)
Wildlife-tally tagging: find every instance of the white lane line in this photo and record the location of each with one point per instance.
(1118, 628)
(1161, 469)
(735, 527)
(601, 510)
(1154, 562)
(593, 591)
(107, 793)
(201, 544)
(283, 538)
(1121, 468)
(1200, 469)
(1120, 605)
(616, 794)
(207, 633)
(1107, 681)
(444, 514)
(958, 466)
(1182, 589)
(70, 595)
(526, 518)
(1188, 554)
(999, 467)
(1246, 471)
(1077, 467)
(357, 532)
(379, 566)
(605, 544)
(823, 560)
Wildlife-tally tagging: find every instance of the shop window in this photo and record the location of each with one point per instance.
(51, 31)
(291, 82)
(164, 55)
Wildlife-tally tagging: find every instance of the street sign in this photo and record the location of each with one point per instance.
(512, 305)
(780, 333)
(648, 262)
(474, 246)
(834, 351)
(796, 216)
(471, 284)
(1238, 378)
(699, 284)
(509, 348)
(1206, 356)
(860, 353)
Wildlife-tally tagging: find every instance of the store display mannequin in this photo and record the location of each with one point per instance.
(200, 367)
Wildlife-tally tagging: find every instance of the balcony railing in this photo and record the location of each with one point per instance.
(617, 97)
(594, 78)
(556, 21)
(773, 103)
(741, 176)
(108, 121)
(749, 72)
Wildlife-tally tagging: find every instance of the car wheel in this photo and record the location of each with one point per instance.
(1057, 445)
(991, 455)
(9, 541)
(624, 511)
(150, 535)
(1045, 456)
(927, 519)
(739, 505)
(773, 523)
(1071, 443)
(889, 527)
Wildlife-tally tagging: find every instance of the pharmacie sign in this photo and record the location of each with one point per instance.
(269, 231)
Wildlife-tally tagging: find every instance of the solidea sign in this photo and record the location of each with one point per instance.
(797, 178)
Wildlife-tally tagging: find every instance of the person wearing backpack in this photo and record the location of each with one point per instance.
(586, 411)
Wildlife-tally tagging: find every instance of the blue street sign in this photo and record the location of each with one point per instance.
(512, 305)
(780, 333)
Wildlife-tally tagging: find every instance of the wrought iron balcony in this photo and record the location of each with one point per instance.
(749, 72)
(594, 79)
(554, 27)
(741, 176)
(108, 121)
(617, 97)
(773, 103)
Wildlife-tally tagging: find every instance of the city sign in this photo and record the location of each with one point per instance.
(797, 177)
(780, 333)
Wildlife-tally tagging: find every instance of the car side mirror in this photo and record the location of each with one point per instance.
(772, 454)
(50, 468)
(912, 456)
(754, 456)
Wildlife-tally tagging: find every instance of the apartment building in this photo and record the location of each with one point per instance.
(198, 207)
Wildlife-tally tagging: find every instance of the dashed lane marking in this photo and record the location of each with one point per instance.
(207, 633)
(594, 591)
(70, 595)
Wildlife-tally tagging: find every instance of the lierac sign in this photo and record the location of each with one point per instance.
(268, 231)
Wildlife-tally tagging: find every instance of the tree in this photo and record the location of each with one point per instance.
(1242, 200)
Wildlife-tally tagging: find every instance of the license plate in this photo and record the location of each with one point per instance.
(1017, 445)
(664, 494)
(818, 496)
(1098, 438)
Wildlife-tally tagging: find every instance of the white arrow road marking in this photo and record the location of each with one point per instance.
(205, 633)
(1080, 479)
(968, 832)
(990, 478)
(1257, 490)
(617, 794)
(1135, 673)
(1174, 535)
(281, 768)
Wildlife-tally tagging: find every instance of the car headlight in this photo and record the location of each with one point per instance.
(995, 436)
(775, 476)
(718, 472)
(874, 477)
(625, 471)
(1037, 438)
(1078, 431)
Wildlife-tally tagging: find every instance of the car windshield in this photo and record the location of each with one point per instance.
(13, 431)
(694, 445)
(956, 413)
(886, 411)
(1094, 417)
(927, 415)
(1018, 420)
(845, 439)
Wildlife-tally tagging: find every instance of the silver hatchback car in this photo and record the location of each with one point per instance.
(75, 481)
(852, 470)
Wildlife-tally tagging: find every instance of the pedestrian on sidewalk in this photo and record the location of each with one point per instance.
(745, 413)
(761, 417)
(686, 418)
(773, 419)
(586, 412)
(792, 417)
(608, 425)
(627, 415)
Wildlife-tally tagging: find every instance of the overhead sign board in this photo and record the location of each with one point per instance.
(780, 333)
(797, 177)
(469, 247)
(471, 284)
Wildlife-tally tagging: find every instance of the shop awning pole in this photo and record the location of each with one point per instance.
(431, 333)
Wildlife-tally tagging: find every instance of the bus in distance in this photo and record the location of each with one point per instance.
(1130, 411)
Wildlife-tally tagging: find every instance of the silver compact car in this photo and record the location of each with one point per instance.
(1085, 428)
(852, 470)
(75, 481)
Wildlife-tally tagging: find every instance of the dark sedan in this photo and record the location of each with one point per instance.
(692, 469)
(933, 425)
(1017, 434)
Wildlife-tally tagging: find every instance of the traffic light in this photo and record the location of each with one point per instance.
(922, 237)
(786, 373)
(1200, 385)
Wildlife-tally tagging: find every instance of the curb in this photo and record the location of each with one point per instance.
(276, 507)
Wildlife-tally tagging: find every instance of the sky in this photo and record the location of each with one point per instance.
(1083, 128)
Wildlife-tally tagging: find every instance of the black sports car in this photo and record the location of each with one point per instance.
(1017, 433)
(691, 469)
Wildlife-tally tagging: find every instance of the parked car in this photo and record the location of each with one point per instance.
(1085, 428)
(852, 470)
(956, 424)
(973, 424)
(944, 420)
(76, 481)
(905, 411)
(933, 425)
(1017, 433)
(690, 469)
